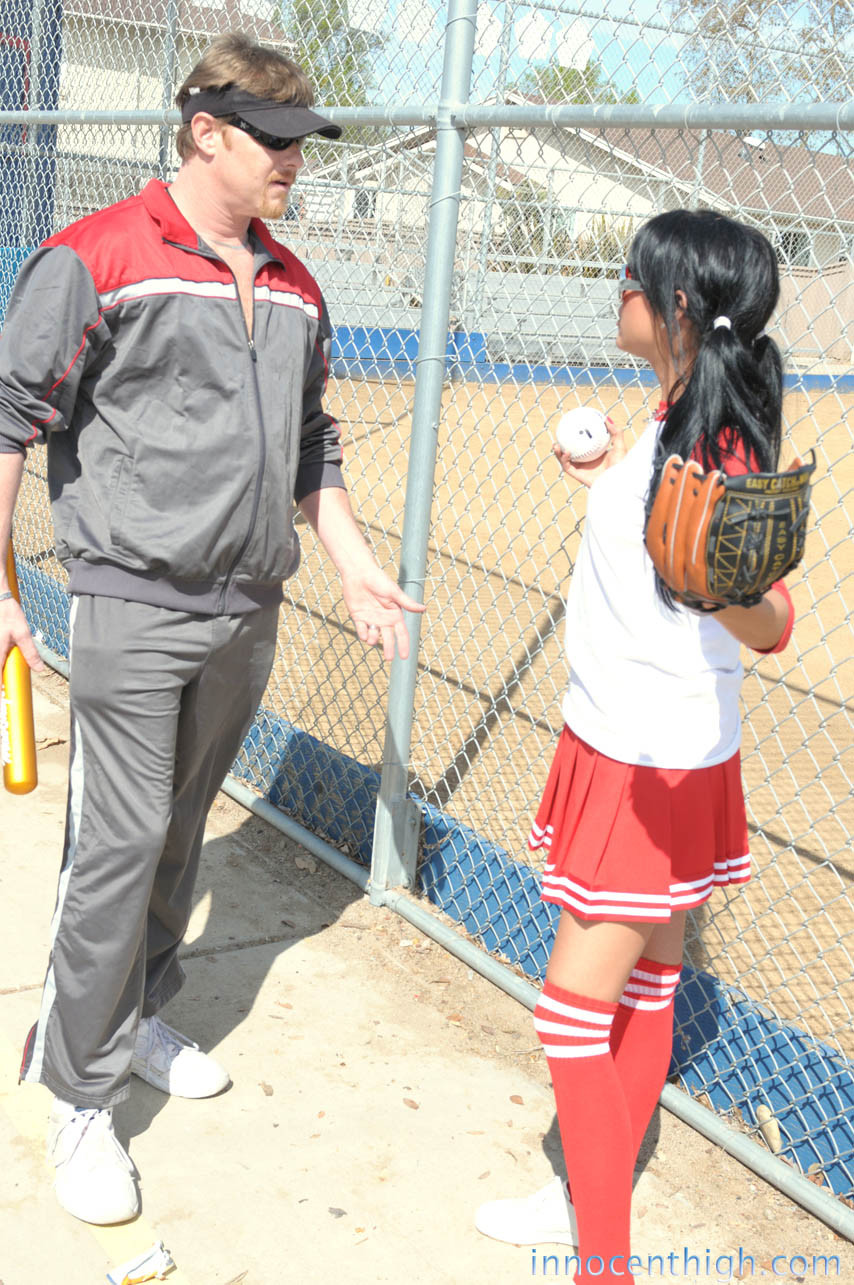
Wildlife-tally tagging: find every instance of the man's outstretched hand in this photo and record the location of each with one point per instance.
(376, 605)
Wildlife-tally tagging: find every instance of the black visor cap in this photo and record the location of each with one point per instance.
(284, 120)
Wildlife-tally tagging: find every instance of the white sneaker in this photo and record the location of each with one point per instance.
(172, 1063)
(94, 1173)
(546, 1218)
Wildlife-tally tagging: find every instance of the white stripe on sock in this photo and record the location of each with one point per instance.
(572, 1010)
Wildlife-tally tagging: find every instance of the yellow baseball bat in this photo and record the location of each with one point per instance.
(17, 729)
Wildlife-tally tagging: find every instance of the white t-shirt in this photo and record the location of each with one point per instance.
(648, 684)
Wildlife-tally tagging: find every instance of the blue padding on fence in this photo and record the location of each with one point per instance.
(492, 896)
(727, 1046)
(46, 605)
(373, 351)
(11, 258)
(377, 352)
(500, 372)
(321, 788)
(741, 1056)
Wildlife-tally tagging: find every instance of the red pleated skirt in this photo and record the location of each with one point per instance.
(630, 842)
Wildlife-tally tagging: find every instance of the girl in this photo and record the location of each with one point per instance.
(643, 812)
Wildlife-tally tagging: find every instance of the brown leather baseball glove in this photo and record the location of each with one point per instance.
(718, 541)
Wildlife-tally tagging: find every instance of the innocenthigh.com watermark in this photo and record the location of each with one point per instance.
(682, 1264)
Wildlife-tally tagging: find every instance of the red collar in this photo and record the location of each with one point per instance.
(174, 227)
(661, 410)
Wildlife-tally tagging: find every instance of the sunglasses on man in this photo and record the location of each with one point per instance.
(272, 141)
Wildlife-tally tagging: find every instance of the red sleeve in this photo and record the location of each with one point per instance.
(734, 462)
(733, 456)
(783, 640)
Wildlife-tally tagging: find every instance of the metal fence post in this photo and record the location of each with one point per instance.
(170, 60)
(492, 171)
(396, 829)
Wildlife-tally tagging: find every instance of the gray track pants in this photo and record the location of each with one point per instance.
(160, 703)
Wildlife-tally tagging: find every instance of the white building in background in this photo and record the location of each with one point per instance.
(541, 207)
(129, 55)
(586, 182)
(535, 202)
(116, 53)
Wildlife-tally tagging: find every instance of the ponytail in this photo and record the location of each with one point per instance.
(730, 405)
(729, 402)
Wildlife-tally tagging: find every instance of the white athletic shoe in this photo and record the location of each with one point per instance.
(545, 1218)
(94, 1173)
(172, 1063)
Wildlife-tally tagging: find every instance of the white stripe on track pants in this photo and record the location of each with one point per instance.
(160, 703)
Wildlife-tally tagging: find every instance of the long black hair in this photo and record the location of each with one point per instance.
(728, 400)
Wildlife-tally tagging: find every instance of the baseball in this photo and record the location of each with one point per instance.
(583, 434)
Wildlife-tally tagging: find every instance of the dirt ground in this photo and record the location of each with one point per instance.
(722, 1196)
(382, 1090)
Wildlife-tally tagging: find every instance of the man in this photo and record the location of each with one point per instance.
(173, 356)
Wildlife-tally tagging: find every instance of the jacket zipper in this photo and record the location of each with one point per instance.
(262, 446)
(262, 443)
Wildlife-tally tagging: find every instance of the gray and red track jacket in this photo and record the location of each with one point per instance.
(176, 445)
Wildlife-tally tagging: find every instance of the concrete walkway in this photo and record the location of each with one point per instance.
(381, 1090)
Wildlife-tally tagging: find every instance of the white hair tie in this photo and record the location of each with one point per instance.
(722, 321)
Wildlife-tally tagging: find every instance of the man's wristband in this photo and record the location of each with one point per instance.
(7, 594)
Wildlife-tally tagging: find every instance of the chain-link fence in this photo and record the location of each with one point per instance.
(466, 233)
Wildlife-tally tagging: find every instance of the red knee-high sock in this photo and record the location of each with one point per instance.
(595, 1127)
(642, 1039)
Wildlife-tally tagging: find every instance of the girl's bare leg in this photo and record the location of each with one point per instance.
(595, 958)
